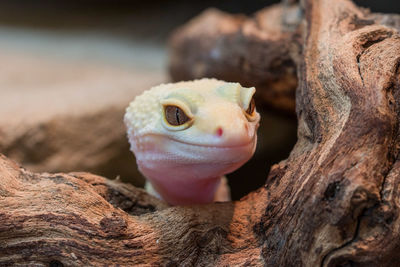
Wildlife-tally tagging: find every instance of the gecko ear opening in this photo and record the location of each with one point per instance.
(247, 102)
(252, 106)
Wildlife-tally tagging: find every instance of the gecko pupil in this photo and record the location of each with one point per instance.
(175, 115)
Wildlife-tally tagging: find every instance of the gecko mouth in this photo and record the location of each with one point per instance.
(215, 146)
(250, 142)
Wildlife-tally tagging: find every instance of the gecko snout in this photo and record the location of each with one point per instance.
(233, 134)
(220, 131)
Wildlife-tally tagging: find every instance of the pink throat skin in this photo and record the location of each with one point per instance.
(178, 192)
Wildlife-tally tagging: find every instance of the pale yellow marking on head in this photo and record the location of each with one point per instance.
(246, 94)
(229, 91)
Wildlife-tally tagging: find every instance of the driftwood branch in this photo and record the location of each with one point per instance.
(334, 202)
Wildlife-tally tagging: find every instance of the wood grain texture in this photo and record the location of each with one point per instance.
(334, 202)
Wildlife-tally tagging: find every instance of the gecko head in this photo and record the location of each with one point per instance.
(193, 130)
(210, 113)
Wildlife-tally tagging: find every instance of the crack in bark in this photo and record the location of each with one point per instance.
(367, 44)
(359, 219)
(359, 67)
(378, 36)
(355, 235)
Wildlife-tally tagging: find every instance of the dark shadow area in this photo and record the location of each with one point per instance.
(147, 20)
(276, 137)
(383, 6)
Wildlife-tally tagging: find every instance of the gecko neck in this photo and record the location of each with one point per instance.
(186, 191)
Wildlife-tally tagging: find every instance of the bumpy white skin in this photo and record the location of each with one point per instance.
(184, 163)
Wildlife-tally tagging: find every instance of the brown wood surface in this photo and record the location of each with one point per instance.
(334, 202)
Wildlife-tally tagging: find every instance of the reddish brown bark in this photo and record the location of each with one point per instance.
(334, 202)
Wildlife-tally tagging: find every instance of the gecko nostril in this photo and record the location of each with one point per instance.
(219, 131)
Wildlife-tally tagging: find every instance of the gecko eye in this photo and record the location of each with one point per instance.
(251, 107)
(175, 115)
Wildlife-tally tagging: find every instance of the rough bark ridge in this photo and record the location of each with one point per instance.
(334, 202)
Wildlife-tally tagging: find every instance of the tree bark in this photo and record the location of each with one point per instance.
(334, 202)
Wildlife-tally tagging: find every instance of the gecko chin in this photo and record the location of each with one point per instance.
(161, 156)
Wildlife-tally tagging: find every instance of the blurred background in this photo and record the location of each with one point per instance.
(69, 68)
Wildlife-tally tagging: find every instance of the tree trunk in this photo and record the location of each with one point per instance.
(334, 202)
